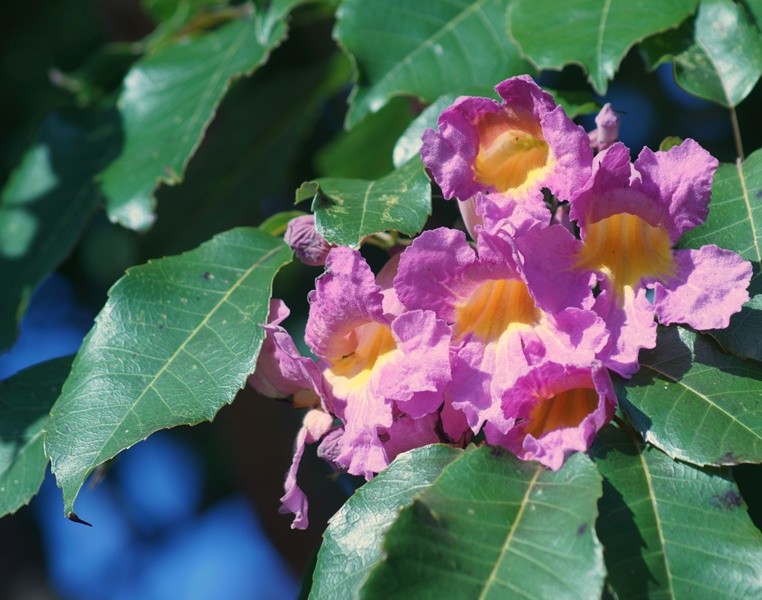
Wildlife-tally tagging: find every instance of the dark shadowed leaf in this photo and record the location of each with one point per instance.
(671, 530)
(592, 33)
(46, 203)
(352, 542)
(735, 222)
(173, 344)
(168, 100)
(348, 210)
(695, 402)
(492, 526)
(25, 401)
(425, 49)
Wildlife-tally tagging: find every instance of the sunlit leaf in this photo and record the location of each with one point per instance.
(352, 542)
(725, 61)
(592, 33)
(25, 401)
(492, 526)
(424, 49)
(735, 222)
(173, 344)
(695, 402)
(348, 210)
(672, 530)
(46, 203)
(168, 100)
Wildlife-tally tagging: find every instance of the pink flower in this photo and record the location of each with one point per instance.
(607, 129)
(509, 306)
(509, 150)
(553, 410)
(304, 239)
(630, 216)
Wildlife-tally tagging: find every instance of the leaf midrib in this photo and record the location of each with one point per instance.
(99, 459)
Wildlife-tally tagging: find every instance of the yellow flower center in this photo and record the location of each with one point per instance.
(352, 372)
(512, 152)
(625, 248)
(494, 307)
(567, 409)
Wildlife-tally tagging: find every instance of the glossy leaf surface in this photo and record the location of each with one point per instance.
(347, 210)
(168, 100)
(352, 542)
(25, 401)
(592, 33)
(424, 49)
(492, 526)
(173, 344)
(672, 530)
(695, 402)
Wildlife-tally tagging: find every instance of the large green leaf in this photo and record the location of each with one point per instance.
(672, 530)
(735, 222)
(25, 401)
(168, 100)
(695, 402)
(46, 203)
(352, 542)
(492, 526)
(174, 343)
(719, 58)
(425, 49)
(348, 210)
(595, 34)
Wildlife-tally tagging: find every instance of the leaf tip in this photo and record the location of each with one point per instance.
(72, 516)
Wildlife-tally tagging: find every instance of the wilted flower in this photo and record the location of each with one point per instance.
(309, 246)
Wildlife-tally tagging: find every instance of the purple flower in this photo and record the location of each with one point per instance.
(380, 365)
(630, 216)
(304, 239)
(509, 150)
(553, 410)
(512, 303)
(607, 129)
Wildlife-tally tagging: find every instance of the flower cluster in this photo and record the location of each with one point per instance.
(511, 336)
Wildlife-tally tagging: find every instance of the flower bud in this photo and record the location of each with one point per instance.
(607, 129)
(309, 246)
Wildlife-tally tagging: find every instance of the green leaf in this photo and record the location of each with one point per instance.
(672, 530)
(425, 49)
(352, 542)
(277, 223)
(168, 100)
(735, 222)
(365, 152)
(46, 203)
(492, 526)
(25, 401)
(725, 61)
(175, 341)
(592, 33)
(348, 210)
(695, 402)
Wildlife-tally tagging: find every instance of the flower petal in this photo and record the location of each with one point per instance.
(710, 286)
(681, 181)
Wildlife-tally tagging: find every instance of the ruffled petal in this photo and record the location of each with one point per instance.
(407, 433)
(709, 286)
(680, 179)
(556, 410)
(281, 371)
(345, 297)
(631, 327)
(316, 424)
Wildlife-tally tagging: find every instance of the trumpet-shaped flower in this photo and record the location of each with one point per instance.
(553, 410)
(509, 150)
(507, 309)
(630, 216)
